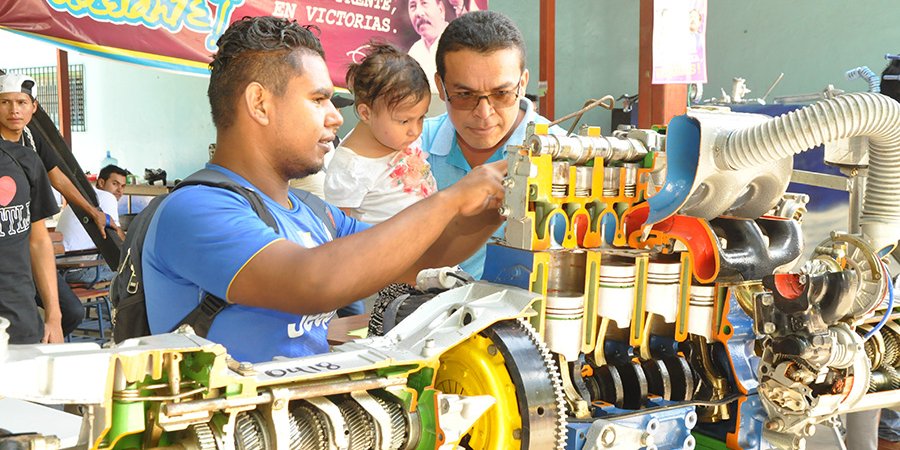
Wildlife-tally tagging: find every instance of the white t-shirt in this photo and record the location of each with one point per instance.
(74, 236)
(377, 188)
(427, 58)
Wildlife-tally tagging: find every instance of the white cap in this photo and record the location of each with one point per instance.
(17, 83)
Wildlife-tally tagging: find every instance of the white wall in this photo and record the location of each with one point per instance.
(147, 118)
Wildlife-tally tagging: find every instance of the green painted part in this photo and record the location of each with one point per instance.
(594, 209)
(421, 380)
(404, 396)
(395, 370)
(234, 389)
(647, 163)
(428, 421)
(705, 442)
(616, 286)
(538, 287)
(197, 366)
(128, 423)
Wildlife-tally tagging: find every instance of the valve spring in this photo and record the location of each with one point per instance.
(559, 190)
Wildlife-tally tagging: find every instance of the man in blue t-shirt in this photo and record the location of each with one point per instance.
(481, 76)
(270, 93)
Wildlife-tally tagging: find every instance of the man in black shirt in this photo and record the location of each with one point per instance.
(27, 262)
(17, 106)
(16, 109)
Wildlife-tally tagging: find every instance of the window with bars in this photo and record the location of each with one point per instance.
(45, 77)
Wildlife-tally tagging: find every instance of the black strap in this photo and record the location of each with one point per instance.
(201, 317)
(319, 208)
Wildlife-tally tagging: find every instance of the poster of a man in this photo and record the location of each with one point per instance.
(429, 19)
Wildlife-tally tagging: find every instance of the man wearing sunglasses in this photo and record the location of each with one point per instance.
(481, 76)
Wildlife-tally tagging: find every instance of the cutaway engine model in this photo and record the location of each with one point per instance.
(653, 290)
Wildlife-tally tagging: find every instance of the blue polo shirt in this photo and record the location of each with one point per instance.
(448, 164)
(200, 239)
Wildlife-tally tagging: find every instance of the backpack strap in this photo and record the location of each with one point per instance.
(319, 208)
(202, 317)
(214, 178)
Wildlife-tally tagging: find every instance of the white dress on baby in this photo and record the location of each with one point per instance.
(377, 188)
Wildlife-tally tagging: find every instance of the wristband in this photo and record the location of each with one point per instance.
(107, 219)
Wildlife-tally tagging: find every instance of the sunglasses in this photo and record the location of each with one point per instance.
(468, 101)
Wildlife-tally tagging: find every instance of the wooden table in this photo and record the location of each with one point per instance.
(79, 261)
(148, 190)
(340, 327)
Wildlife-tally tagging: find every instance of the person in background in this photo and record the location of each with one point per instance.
(28, 265)
(109, 189)
(269, 92)
(17, 107)
(16, 111)
(481, 76)
(429, 20)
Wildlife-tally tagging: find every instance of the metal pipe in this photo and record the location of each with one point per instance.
(858, 114)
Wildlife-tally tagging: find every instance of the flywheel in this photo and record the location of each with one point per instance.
(509, 362)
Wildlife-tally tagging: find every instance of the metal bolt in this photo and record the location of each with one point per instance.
(768, 328)
(804, 279)
(504, 211)
(508, 182)
(608, 437)
(775, 424)
(517, 434)
(809, 429)
(492, 349)
(279, 403)
(767, 300)
(245, 366)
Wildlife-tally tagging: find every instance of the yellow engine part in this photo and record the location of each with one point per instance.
(476, 367)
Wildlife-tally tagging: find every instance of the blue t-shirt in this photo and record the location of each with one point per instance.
(449, 165)
(199, 240)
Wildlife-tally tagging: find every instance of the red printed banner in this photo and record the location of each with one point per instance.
(181, 35)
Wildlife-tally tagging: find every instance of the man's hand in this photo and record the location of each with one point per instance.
(52, 331)
(100, 219)
(481, 189)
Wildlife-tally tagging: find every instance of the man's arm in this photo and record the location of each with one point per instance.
(313, 280)
(43, 267)
(64, 185)
(460, 240)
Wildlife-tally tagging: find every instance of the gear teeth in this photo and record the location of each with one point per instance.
(555, 380)
(312, 430)
(893, 375)
(891, 347)
(206, 440)
(249, 432)
(360, 425)
(398, 421)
